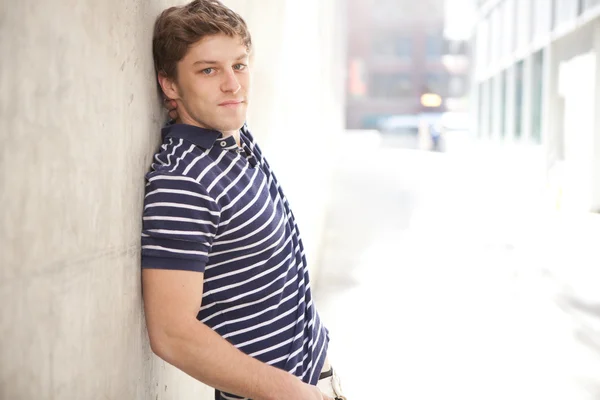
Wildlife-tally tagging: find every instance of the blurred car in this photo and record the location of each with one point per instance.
(455, 121)
(399, 124)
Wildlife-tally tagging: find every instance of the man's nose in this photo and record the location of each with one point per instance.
(230, 82)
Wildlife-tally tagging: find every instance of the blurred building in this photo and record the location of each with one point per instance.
(395, 53)
(536, 84)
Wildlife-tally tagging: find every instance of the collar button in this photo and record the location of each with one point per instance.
(223, 144)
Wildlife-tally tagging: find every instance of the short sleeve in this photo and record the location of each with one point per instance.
(180, 221)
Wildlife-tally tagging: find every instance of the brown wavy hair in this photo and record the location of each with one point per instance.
(177, 28)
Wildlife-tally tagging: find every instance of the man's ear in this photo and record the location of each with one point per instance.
(168, 86)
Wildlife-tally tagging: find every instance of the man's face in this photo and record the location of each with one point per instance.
(212, 84)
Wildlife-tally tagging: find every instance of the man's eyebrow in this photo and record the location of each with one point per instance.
(205, 62)
(245, 55)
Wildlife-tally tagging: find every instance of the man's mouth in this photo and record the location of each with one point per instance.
(231, 103)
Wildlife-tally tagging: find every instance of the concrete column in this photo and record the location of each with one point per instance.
(595, 182)
(79, 121)
(578, 86)
(553, 139)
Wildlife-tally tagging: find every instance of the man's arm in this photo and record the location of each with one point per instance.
(172, 299)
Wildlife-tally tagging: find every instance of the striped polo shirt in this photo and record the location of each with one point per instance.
(215, 207)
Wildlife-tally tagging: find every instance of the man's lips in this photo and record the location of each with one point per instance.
(231, 102)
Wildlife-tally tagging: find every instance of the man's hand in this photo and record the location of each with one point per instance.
(324, 396)
(313, 393)
(171, 106)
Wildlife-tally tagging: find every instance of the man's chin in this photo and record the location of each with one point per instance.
(231, 126)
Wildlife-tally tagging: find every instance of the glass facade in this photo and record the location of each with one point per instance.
(589, 4)
(503, 99)
(537, 90)
(480, 107)
(491, 108)
(565, 11)
(518, 114)
(507, 39)
(434, 45)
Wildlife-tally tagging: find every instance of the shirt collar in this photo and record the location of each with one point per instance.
(201, 137)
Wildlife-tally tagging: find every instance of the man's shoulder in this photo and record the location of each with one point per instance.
(178, 156)
(177, 183)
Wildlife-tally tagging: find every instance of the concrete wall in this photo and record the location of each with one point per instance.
(79, 122)
(573, 145)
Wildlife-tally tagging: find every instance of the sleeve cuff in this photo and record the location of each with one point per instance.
(172, 263)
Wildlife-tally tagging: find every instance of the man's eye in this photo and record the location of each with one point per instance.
(239, 67)
(207, 71)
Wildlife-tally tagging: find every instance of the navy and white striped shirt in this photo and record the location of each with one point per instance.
(215, 207)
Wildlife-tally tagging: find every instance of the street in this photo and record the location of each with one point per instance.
(443, 277)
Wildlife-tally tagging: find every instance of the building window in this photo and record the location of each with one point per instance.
(518, 122)
(542, 18)
(589, 4)
(434, 46)
(565, 11)
(480, 108)
(491, 107)
(503, 83)
(456, 47)
(537, 89)
(486, 96)
(437, 83)
(457, 86)
(392, 45)
(390, 85)
(403, 47)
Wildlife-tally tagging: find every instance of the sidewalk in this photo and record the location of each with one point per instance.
(443, 277)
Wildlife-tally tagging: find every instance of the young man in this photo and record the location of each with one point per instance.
(225, 281)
